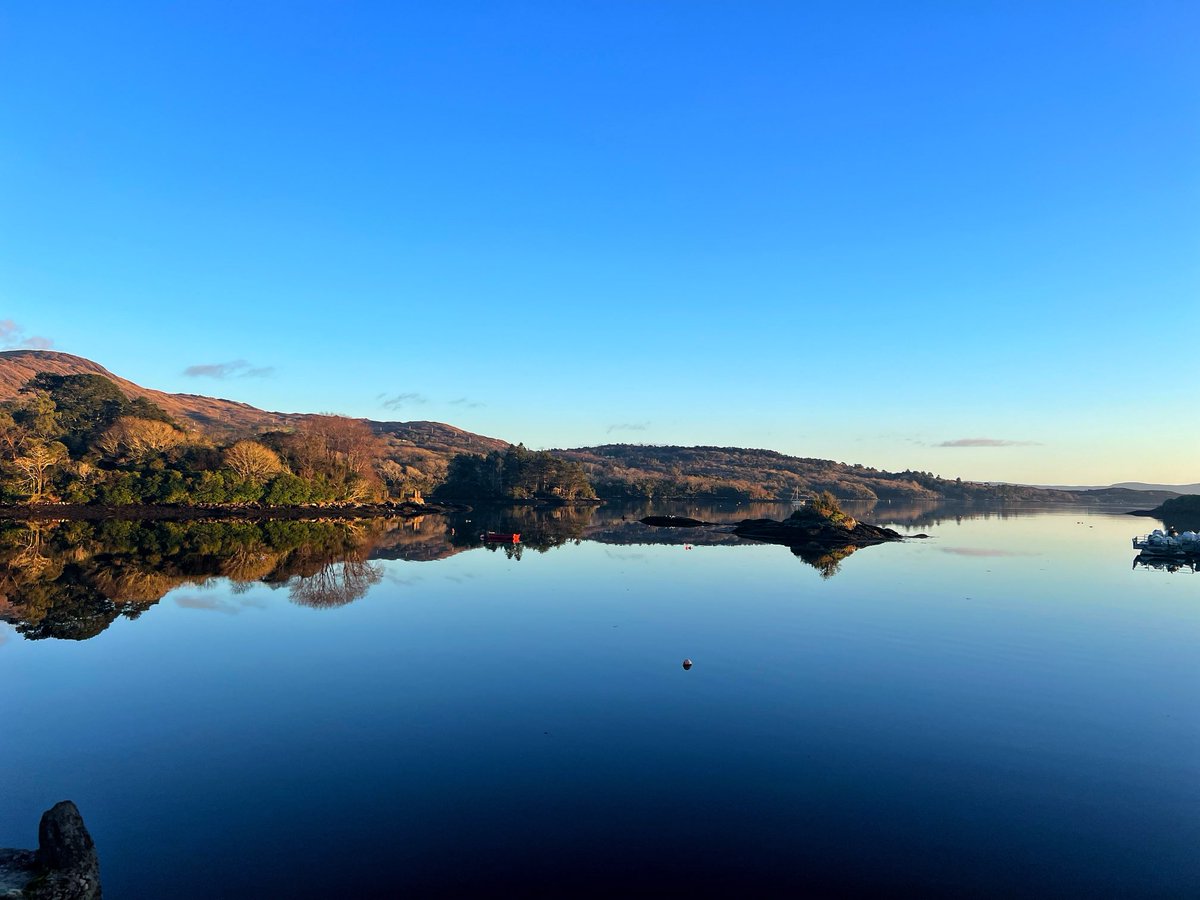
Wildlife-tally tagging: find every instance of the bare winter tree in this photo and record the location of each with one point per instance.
(253, 461)
(35, 465)
(136, 437)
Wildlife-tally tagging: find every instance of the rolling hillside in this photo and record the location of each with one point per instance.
(617, 471)
(212, 415)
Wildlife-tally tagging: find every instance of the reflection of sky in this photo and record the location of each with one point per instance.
(1019, 697)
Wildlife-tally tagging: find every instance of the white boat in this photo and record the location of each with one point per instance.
(1160, 543)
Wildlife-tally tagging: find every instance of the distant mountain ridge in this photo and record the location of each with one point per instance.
(1128, 486)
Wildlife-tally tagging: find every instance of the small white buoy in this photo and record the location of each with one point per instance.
(687, 663)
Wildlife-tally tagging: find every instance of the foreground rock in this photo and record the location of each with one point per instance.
(64, 866)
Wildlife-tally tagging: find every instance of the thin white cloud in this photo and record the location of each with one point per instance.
(237, 368)
(984, 552)
(13, 337)
(986, 442)
(218, 604)
(627, 426)
(398, 401)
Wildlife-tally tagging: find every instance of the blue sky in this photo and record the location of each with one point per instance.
(953, 237)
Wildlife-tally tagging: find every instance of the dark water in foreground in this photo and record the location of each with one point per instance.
(1005, 709)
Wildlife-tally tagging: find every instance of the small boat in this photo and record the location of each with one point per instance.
(1169, 543)
(500, 537)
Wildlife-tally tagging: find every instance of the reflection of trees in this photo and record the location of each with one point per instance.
(826, 560)
(71, 580)
(251, 562)
(542, 528)
(335, 584)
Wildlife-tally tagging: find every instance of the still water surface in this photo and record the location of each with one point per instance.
(1007, 708)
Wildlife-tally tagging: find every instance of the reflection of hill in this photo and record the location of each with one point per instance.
(420, 539)
(71, 580)
(541, 527)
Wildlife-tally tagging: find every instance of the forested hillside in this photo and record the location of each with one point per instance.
(70, 430)
(639, 471)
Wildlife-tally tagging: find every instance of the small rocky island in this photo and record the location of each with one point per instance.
(821, 532)
(819, 525)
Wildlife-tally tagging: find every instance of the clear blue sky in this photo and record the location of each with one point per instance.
(862, 231)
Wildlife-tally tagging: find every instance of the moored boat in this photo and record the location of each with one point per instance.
(1160, 543)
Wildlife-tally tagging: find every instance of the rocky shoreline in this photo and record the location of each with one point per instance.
(64, 866)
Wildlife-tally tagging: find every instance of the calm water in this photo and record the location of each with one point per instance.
(1008, 708)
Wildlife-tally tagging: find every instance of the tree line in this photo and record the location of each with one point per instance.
(79, 439)
(516, 474)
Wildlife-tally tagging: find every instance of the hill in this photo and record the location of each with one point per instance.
(212, 415)
(640, 471)
(420, 453)
(1175, 488)
(1128, 486)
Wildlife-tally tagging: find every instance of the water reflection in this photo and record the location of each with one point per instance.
(1166, 564)
(73, 579)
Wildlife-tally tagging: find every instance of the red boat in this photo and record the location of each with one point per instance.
(500, 537)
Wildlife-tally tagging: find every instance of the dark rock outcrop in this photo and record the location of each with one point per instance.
(814, 532)
(672, 522)
(1181, 513)
(64, 867)
(820, 540)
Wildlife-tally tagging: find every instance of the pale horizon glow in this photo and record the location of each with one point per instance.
(951, 239)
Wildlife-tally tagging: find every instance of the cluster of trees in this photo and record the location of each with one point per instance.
(79, 439)
(515, 474)
(826, 507)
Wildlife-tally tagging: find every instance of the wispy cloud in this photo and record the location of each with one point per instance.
(617, 554)
(237, 368)
(469, 404)
(14, 337)
(986, 442)
(402, 580)
(397, 401)
(984, 552)
(218, 604)
(627, 426)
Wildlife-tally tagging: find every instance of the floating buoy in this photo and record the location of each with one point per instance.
(687, 663)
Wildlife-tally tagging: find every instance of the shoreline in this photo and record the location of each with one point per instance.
(80, 512)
